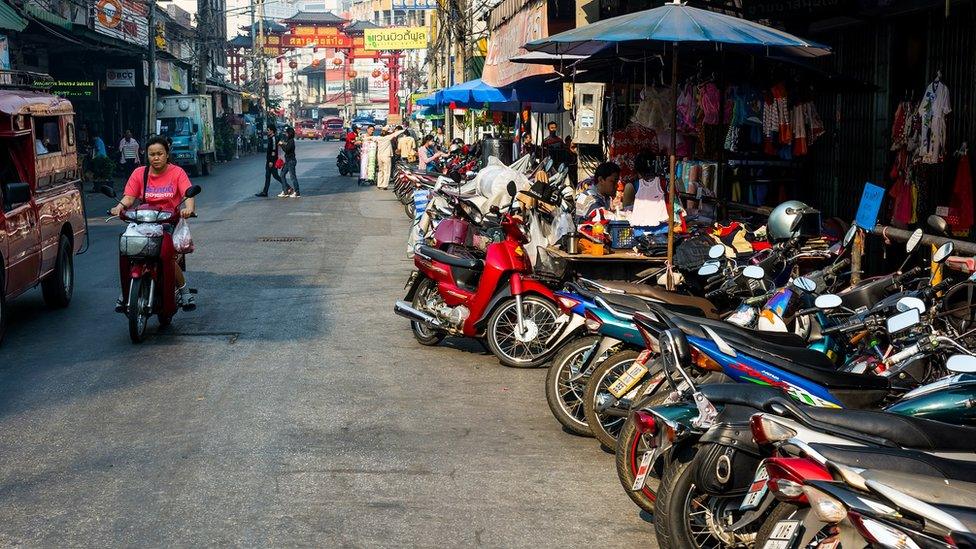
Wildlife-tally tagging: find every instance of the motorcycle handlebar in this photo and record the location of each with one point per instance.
(907, 275)
(835, 268)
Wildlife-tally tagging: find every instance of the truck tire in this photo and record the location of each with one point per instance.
(197, 168)
(207, 166)
(59, 285)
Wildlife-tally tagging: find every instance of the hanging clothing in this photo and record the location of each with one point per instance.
(899, 124)
(781, 104)
(933, 110)
(686, 109)
(711, 103)
(650, 205)
(654, 110)
(799, 131)
(901, 192)
(962, 198)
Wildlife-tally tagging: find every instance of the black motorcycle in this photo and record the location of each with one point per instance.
(348, 161)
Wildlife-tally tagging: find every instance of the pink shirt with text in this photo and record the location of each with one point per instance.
(164, 191)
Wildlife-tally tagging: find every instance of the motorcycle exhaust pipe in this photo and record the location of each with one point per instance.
(406, 310)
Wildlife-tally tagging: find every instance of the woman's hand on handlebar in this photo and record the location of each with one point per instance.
(187, 212)
(117, 210)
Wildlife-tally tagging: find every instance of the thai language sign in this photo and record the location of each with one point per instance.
(404, 38)
(506, 42)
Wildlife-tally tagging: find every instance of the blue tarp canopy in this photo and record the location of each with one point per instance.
(674, 22)
(475, 94)
(473, 91)
(431, 100)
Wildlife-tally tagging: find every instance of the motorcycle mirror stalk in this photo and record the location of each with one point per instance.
(910, 245)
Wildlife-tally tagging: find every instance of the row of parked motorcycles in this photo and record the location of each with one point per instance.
(765, 401)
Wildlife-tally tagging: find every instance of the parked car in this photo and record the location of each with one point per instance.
(308, 129)
(42, 221)
(333, 128)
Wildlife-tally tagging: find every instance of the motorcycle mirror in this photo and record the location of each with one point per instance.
(512, 189)
(903, 321)
(827, 302)
(942, 253)
(938, 224)
(548, 164)
(470, 174)
(913, 240)
(755, 272)
(804, 284)
(909, 303)
(717, 251)
(108, 191)
(961, 364)
(438, 186)
(708, 269)
(192, 191)
(849, 235)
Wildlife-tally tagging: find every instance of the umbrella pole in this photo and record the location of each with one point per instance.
(673, 159)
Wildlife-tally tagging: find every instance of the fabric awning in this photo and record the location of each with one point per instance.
(10, 19)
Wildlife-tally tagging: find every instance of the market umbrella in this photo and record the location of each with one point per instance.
(473, 92)
(675, 23)
(431, 100)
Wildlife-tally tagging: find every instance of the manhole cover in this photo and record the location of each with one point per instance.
(282, 239)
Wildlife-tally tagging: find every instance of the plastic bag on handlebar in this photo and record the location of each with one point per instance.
(182, 239)
(562, 225)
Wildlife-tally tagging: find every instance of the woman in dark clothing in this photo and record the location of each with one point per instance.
(288, 146)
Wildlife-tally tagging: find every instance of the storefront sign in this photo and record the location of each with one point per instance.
(4, 53)
(867, 211)
(415, 4)
(163, 79)
(120, 78)
(178, 76)
(75, 90)
(506, 42)
(123, 19)
(789, 9)
(406, 38)
(317, 40)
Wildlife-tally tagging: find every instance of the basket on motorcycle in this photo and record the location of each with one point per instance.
(140, 246)
(549, 268)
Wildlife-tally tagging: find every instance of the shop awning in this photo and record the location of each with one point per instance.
(431, 100)
(10, 19)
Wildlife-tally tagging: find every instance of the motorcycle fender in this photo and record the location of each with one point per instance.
(574, 325)
(412, 283)
(679, 417)
(523, 285)
(504, 292)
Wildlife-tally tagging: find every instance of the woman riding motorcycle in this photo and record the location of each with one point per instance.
(163, 189)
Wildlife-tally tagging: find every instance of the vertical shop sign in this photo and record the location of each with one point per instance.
(506, 42)
(4, 53)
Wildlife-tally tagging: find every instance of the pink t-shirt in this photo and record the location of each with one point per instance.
(164, 191)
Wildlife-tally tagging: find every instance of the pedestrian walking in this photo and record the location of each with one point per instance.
(384, 157)
(271, 160)
(128, 154)
(291, 162)
(407, 148)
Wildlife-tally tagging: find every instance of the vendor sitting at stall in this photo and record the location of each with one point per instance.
(598, 191)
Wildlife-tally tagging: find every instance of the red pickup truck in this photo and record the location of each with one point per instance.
(42, 222)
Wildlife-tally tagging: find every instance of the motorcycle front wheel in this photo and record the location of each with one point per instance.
(526, 349)
(566, 384)
(139, 309)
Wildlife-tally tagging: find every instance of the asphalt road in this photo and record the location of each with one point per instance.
(291, 408)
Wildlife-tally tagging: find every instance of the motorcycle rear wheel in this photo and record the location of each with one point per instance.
(565, 397)
(606, 427)
(501, 328)
(424, 334)
(139, 307)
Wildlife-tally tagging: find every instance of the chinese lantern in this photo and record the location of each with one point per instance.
(352, 74)
(336, 61)
(376, 73)
(293, 64)
(315, 62)
(386, 77)
(278, 76)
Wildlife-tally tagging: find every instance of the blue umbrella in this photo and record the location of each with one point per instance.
(431, 100)
(675, 23)
(473, 92)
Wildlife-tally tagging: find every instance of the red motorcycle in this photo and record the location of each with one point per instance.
(494, 299)
(147, 267)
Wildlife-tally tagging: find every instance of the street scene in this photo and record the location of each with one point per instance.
(519, 273)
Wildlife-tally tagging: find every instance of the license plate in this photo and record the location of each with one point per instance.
(757, 490)
(630, 378)
(642, 470)
(653, 383)
(783, 535)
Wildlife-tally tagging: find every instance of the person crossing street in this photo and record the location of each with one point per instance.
(128, 154)
(291, 162)
(270, 169)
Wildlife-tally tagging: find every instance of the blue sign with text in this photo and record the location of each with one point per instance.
(867, 211)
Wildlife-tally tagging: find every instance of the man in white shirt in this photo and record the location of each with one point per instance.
(128, 154)
(384, 157)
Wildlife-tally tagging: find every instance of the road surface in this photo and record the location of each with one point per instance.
(292, 408)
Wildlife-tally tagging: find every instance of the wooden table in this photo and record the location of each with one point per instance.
(618, 265)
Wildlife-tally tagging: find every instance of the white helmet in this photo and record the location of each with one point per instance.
(785, 221)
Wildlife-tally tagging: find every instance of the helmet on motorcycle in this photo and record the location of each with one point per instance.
(791, 219)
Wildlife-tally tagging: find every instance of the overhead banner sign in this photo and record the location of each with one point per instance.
(405, 38)
(506, 42)
(415, 4)
(123, 19)
(120, 78)
(317, 40)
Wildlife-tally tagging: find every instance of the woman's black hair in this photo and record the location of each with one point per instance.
(644, 163)
(158, 140)
(606, 170)
(427, 139)
(290, 131)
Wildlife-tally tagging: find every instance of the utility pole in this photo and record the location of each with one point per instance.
(151, 73)
(262, 81)
(205, 38)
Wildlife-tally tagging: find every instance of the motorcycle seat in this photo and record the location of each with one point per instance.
(905, 431)
(898, 460)
(663, 295)
(927, 488)
(787, 351)
(450, 259)
(628, 304)
(739, 394)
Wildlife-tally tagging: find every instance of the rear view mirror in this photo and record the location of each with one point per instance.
(938, 224)
(108, 191)
(804, 284)
(717, 251)
(708, 269)
(849, 235)
(827, 302)
(16, 193)
(470, 174)
(961, 364)
(903, 321)
(192, 191)
(512, 189)
(913, 240)
(943, 252)
(909, 303)
(754, 272)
